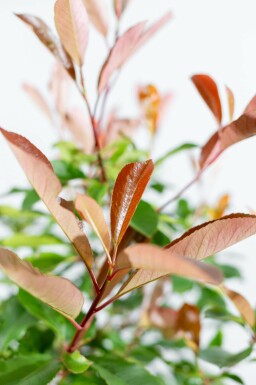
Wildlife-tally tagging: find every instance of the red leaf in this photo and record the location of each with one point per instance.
(240, 129)
(50, 41)
(129, 187)
(208, 90)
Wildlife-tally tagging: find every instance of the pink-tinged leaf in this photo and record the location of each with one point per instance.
(154, 28)
(163, 318)
(242, 128)
(120, 53)
(80, 127)
(198, 243)
(242, 305)
(214, 236)
(38, 99)
(142, 277)
(59, 87)
(125, 46)
(41, 176)
(162, 261)
(92, 213)
(57, 292)
(72, 24)
(231, 103)
(50, 41)
(98, 13)
(208, 90)
(117, 127)
(129, 187)
(119, 6)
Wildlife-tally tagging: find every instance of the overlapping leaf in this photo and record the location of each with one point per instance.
(72, 24)
(208, 89)
(40, 174)
(198, 243)
(153, 258)
(46, 36)
(91, 212)
(57, 292)
(98, 12)
(240, 129)
(129, 187)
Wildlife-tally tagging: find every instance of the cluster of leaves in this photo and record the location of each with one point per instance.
(114, 241)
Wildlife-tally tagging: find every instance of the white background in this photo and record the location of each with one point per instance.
(214, 36)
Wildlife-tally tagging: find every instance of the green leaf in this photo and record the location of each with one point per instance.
(233, 377)
(36, 340)
(97, 190)
(144, 354)
(160, 239)
(45, 313)
(28, 370)
(181, 285)
(183, 209)
(211, 298)
(230, 271)
(174, 151)
(145, 219)
(47, 262)
(158, 186)
(88, 378)
(222, 314)
(31, 197)
(14, 321)
(222, 358)
(71, 154)
(117, 371)
(66, 171)
(75, 362)
(34, 241)
(217, 340)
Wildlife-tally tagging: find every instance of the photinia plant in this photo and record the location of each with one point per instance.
(102, 239)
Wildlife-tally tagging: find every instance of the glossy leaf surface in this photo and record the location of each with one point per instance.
(129, 187)
(46, 36)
